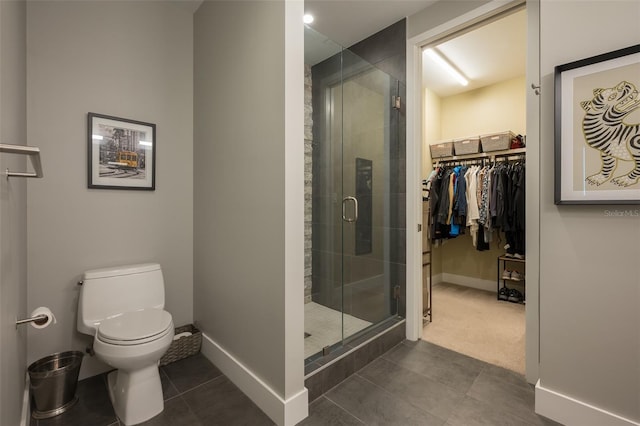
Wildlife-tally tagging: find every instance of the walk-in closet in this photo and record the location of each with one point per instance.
(473, 171)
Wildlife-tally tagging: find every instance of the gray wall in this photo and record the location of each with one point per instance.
(589, 264)
(131, 60)
(13, 210)
(239, 171)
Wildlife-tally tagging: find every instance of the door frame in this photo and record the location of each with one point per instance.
(415, 116)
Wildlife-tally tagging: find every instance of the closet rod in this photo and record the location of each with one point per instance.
(480, 155)
(33, 153)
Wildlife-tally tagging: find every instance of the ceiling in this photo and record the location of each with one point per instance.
(489, 54)
(349, 21)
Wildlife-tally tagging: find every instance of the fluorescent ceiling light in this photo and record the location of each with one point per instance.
(307, 19)
(97, 137)
(145, 143)
(447, 66)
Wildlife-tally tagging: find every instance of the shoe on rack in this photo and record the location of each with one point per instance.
(506, 274)
(516, 276)
(515, 296)
(518, 256)
(503, 294)
(507, 254)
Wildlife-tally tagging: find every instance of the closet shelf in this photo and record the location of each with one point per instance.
(33, 153)
(512, 259)
(491, 155)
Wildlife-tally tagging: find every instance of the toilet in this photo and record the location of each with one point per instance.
(123, 308)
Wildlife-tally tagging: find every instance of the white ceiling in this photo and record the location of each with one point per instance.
(349, 21)
(487, 55)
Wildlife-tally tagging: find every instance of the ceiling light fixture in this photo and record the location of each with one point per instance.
(307, 18)
(437, 57)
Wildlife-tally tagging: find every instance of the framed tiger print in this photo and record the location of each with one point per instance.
(597, 129)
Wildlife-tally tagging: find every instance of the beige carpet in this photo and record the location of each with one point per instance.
(474, 323)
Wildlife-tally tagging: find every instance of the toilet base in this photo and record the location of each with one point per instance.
(136, 396)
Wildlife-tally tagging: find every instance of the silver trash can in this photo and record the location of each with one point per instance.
(53, 383)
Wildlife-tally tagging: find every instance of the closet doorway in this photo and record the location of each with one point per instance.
(473, 171)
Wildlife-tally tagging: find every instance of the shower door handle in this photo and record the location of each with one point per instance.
(355, 209)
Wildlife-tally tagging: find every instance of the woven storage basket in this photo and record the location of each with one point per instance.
(496, 141)
(184, 346)
(467, 146)
(442, 149)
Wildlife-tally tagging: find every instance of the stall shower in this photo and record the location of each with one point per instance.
(354, 195)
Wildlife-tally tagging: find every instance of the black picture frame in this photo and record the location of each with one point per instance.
(121, 153)
(597, 126)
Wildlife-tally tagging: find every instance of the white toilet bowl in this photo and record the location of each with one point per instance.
(133, 343)
(123, 308)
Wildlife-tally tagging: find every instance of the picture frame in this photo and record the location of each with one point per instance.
(597, 129)
(121, 153)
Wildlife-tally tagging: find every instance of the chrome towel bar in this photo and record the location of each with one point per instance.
(33, 153)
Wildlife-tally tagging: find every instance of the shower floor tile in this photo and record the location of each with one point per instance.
(325, 327)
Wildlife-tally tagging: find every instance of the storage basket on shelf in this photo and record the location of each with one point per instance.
(441, 149)
(184, 346)
(496, 141)
(467, 146)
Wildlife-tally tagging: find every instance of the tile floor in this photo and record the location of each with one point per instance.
(415, 383)
(325, 326)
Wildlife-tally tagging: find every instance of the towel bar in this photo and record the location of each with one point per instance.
(33, 153)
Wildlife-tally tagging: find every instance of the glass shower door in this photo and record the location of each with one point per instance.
(369, 140)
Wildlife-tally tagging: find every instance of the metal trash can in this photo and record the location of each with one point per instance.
(53, 383)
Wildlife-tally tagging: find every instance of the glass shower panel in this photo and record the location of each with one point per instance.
(323, 315)
(355, 202)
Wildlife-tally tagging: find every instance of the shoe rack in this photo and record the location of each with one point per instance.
(505, 282)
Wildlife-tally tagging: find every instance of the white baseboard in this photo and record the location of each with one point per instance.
(487, 285)
(284, 412)
(571, 412)
(25, 418)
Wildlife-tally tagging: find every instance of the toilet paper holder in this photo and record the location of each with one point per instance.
(38, 319)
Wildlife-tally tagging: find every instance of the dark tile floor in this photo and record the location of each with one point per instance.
(415, 383)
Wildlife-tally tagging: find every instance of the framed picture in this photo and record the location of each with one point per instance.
(122, 153)
(597, 129)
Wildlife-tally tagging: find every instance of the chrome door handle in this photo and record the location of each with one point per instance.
(355, 206)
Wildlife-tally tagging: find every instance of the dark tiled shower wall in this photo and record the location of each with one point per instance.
(385, 50)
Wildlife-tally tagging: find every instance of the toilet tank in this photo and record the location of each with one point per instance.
(111, 291)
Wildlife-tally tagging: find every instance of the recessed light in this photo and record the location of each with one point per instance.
(307, 18)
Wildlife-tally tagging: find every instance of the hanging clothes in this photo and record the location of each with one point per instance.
(479, 200)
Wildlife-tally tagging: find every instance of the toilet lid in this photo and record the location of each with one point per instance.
(137, 326)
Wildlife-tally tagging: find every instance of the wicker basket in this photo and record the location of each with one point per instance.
(441, 149)
(184, 346)
(496, 141)
(467, 146)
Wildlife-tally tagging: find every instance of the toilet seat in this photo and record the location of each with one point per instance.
(135, 328)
